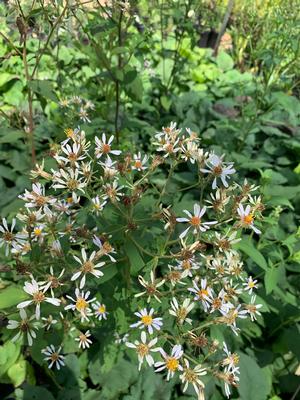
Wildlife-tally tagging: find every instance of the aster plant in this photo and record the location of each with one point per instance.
(164, 228)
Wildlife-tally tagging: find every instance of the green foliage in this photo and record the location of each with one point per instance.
(154, 72)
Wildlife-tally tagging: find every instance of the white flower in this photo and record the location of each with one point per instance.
(139, 162)
(104, 146)
(218, 169)
(105, 248)
(7, 238)
(231, 360)
(81, 304)
(68, 179)
(147, 320)
(121, 339)
(171, 362)
(246, 218)
(143, 349)
(230, 378)
(83, 115)
(25, 327)
(109, 168)
(48, 322)
(100, 310)
(191, 376)
(205, 293)
(253, 308)
(169, 148)
(181, 312)
(98, 205)
(37, 198)
(73, 154)
(187, 266)
(38, 296)
(84, 340)
(52, 282)
(112, 191)
(151, 287)
(87, 267)
(230, 317)
(53, 356)
(195, 221)
(250, 284)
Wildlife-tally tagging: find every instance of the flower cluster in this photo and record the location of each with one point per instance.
(82, 219)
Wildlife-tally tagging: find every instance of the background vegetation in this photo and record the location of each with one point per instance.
(143, 64)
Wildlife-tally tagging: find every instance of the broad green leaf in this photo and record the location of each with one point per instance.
(224, 61)
(44, 88)
(135, 259)
(253, 380)
(247, 247)
(271, 279)
(11, 295)
(17, 372)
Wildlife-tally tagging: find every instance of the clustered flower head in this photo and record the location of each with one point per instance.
(78, 220)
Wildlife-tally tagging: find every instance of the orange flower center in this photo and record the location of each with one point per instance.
(138, 164)
(142, 349)
(195, 221)
(106, 148)
(38, 297)
(248, 219)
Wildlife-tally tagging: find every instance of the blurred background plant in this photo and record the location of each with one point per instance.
(228, 71)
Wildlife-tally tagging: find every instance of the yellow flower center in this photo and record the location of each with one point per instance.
(72, 184)
(88, 266)
(81, 304)
(202, 293)
(251, 284)
(147, 320)
(37, 232)
(172, 364)
(195, 221)
(70, 200)
(69, 132)
(102, 309)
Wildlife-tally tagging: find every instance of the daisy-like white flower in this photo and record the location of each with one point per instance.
(250, 285)
(175, 276)
(68, 179)
(37, 198)
(218, 169)
(169, 148)
(195, 221)
(151, 287)
(87, 266)
(192, 376)
(170, 132)
(7, 237)
(190, 151)
(53, 281)
(219, 303)
(231, 360)
(253, 308)
(64, 102)
(100, 310)
(105, 248)
(224, 242)
(218, 200)
(81, 303)
(53, 356)
(247, 218)
(147, 321)
(98, 205)
(229, 317)
(181, 312)
(103, 146)
(230, 378)
(187, 266)
(112, 191)
(171, 362)
(38, 233)
(26, 327)
(48, 322)
(76, 100)
(83, 115)
(109, 168)
(139, 162)
(84, 339)
(72, 154)
(143, 349)
(203, 293)
(34, 289)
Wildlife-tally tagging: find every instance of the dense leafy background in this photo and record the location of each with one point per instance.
(142, 69)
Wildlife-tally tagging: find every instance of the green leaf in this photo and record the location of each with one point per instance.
(44, 88)
(224, 61)
(272, 276)
(253, 380)
(17, 372)
(11, 295)
(247, 247)
(9, 353)
(136, 261)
